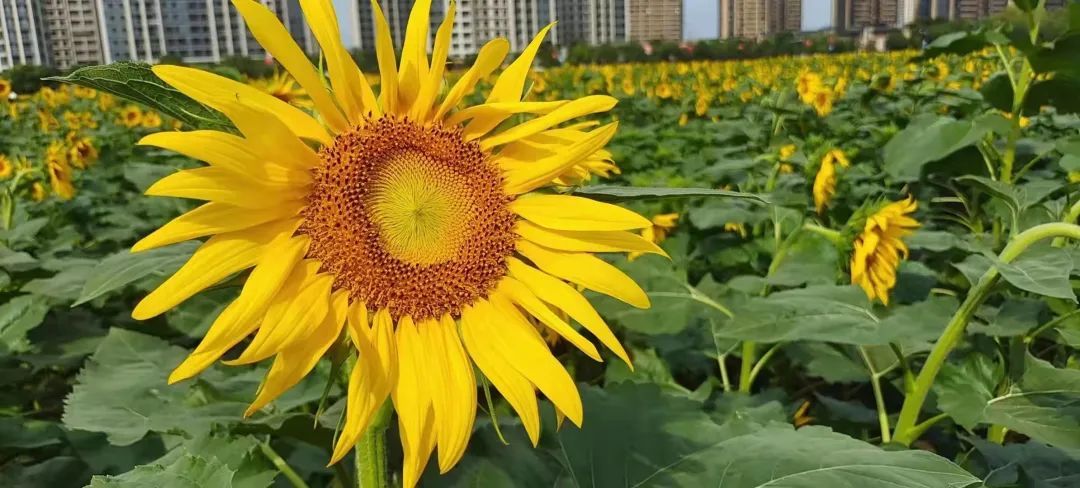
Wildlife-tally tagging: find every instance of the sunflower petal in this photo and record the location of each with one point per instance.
(453, 388)
(412, 401)
(219, 257)
(222, 150)
(564, 212)
(350, 87)
(572, 110)
(371, 378)
(429, 88)
(290, 319)
(566, 298)
(523, 297)
(414, 62)
(527, 177)
(272, 35)
(214, 218)
(384, 51)
(218, 185)
(488, 58)
(587, 240)
(586, 270)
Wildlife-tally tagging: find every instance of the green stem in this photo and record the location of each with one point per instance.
(1030, 336)
(833, 236)
(996, 434)
(760, 364)
(1070, 218)
(371, 471)
(281, 465)
(909, 377)
(879, 398)
(749, 351)
(724, 378)
(906, 431)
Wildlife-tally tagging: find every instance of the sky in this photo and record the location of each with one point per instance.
(701, 18)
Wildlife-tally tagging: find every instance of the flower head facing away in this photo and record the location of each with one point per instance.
(879, 248)
(825, 181)
(406, 221)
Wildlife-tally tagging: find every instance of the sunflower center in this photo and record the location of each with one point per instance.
(409, 218)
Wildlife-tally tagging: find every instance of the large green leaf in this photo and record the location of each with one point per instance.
(1045, 405)
(828, 313)
(189, 471)
(125, 267)
(930, 138)
(123, 392)
(1041, 269)
(136, 82)
(963, 388)
(611, 193)
(17, 317)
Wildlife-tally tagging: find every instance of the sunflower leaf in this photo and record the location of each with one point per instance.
(137, 83)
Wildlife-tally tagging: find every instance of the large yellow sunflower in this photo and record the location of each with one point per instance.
(419, 227)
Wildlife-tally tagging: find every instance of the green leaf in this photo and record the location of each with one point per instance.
(839, 314)
(964, 388)
(17, 317)
(811, 259)
(996, 189)
(954, 43)
(1004, 465)
(1058, 92)
(1042, 269)
(930, 138)
(1015, 317)
(125, 267)
(123, 392)
(611, 193)
(190, 471)
(1045, 405)
(136, 82)
(675, 303)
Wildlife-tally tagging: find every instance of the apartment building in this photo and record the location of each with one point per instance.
(657, 20)
(22, 33)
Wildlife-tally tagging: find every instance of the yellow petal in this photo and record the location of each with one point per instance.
(523, 297)
(218, 185)
(207, 87)
(224, 151)
(564, 212)
(453, 389)
(384, 50)
(291, 317)
(219, 257)
(412, 401)
(528, 177)
(523, 348)
(214, 218)
(518, 391)
(487, 59)
(502, 110)
(292, 364)
(350, 87)
(587, 240)
(275, 38)
(267, 133)
(511, 83)
(576, 108)
(414, 62)
(566, 298)
(240, 318)
(586, 270)
(429, 88)
(370, 380)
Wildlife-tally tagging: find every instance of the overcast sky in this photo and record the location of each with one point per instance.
(701, 18)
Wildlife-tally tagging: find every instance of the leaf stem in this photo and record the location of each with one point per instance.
(282, 466)
(906, 430)
(760, 364)
(833, 236)
(879, 398)
(371, 471)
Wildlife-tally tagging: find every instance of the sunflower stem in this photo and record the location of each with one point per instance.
(749, 350)
(906, 430)
(371, 471)
(879, 397)
(282, 466)
(833, 236)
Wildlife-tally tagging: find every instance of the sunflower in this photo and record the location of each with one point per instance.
(82, 152)
(661, 226)
(37, 191)
(59, 170)
(415, 226)
(5, 89)
(878, 249)
(6, 168)
(151, 120)
(283, 87)
(787, 151)
(131, 116)
(825, 181)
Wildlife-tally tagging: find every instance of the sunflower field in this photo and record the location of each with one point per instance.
(849, 270)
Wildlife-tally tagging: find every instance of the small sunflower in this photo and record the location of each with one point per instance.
(37, 191)
(131, 116)
(787, 151)
(825, 181)
(879, 248)
(82, 152)
(151, 120)
(5, 89)
(59, 171)
(6, 168)
(661, 226)
(283, 87)
(411, 223)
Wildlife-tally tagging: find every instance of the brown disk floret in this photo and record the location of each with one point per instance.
(346, 235)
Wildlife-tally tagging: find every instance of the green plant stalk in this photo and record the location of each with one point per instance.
(905, 431)
(749, 351)
(1070, 218)
(760, 364)
(833, 236)
(371, 471)
(879, 398)
(996, 434)
(281, 465)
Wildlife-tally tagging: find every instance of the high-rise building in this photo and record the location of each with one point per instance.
(756, 19)
(592, 21)
(73, 30)
(655, 20)
(22, 33)
(853, 15)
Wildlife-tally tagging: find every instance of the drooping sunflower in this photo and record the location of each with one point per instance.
(59, 170)
(825, 180)
(879, 248)
(417, 226)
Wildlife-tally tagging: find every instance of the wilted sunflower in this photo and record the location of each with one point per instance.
(879, 248)
(825, 180)
(413, 222)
